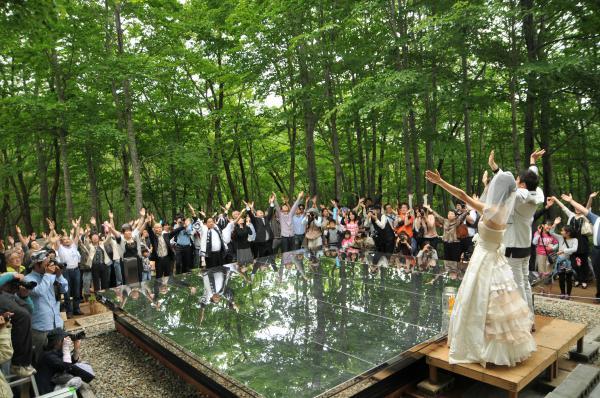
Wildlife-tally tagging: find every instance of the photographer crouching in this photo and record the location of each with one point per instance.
(59, 365)
(47, 274)
(16, 307)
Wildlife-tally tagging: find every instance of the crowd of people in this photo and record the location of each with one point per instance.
(45, 274)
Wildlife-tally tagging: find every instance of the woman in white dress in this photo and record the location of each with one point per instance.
(490, 321)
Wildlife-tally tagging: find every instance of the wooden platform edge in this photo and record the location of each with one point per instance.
(516, 378)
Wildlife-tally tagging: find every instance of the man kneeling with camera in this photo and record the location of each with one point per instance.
(16, 307)
(59, 365)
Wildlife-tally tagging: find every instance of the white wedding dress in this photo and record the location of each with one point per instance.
(490, 321)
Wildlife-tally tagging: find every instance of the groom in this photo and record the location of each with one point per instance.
(517, 238)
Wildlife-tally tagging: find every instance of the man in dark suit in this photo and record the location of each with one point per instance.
(162, 253)
(262, 226)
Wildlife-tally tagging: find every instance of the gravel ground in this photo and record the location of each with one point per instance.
(569, 310)
(125, 371)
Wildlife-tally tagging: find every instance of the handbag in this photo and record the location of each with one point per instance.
(313, 232)
(462, 231)
(550, 256)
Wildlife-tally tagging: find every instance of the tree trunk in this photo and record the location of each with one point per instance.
(373, 154)
(235, 198)
(381, 164)
(128, 115)
(361, 158)
(585, 163)
(125, 187)
(55, 180)
(94, 196)
(512, 85)
(173, 189)
(530, 79)
(351, 159)
(5, 209)
(545, 127)
(293, 134)
(406, 148)
(335, 140)
(62, 140)
(310, 121)
(415, 150)
(467, 122)
(42, 166)
(243, 173)
(59, 82)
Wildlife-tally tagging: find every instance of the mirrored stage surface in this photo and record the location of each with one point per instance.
(295, 325)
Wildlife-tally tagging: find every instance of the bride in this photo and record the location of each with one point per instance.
(490, 322)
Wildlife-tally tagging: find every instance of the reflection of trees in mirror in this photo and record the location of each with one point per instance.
(300, 329)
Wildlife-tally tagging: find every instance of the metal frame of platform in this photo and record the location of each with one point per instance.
(388, 378)
(554, 337)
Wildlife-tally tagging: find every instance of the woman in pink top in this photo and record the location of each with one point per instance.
(544, 244)
(352, 224)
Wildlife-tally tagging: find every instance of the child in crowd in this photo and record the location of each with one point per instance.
(347, 241)
(332, 234)
(544, 243)
(146, 267)
(567, 246)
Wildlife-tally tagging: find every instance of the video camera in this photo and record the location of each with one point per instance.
(77, 336)
(27, 285)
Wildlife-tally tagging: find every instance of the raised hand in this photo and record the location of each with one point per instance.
(143, 212)
(51, 224)
(593, 195)
(433, 177)
(550, 202)
(301, 195)
(492, 160)
(484, 179)
(18, 230)
(11, 240)
(111, 216)
(567, 197)
(536, 155)
(192, 210)
(93, 220)
(557, 221)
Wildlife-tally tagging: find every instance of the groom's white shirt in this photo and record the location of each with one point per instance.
(518, 229)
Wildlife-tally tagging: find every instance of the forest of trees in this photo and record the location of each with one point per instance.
(157, 103)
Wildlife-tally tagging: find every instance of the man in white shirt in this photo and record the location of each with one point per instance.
(214, 242)
(517, 238)
(68, 254)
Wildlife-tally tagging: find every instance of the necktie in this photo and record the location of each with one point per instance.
(209, 242)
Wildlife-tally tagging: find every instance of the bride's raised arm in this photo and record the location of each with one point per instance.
(434, 177)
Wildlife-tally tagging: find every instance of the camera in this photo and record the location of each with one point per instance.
(27, 285)
(77, 336)
(59, 265)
